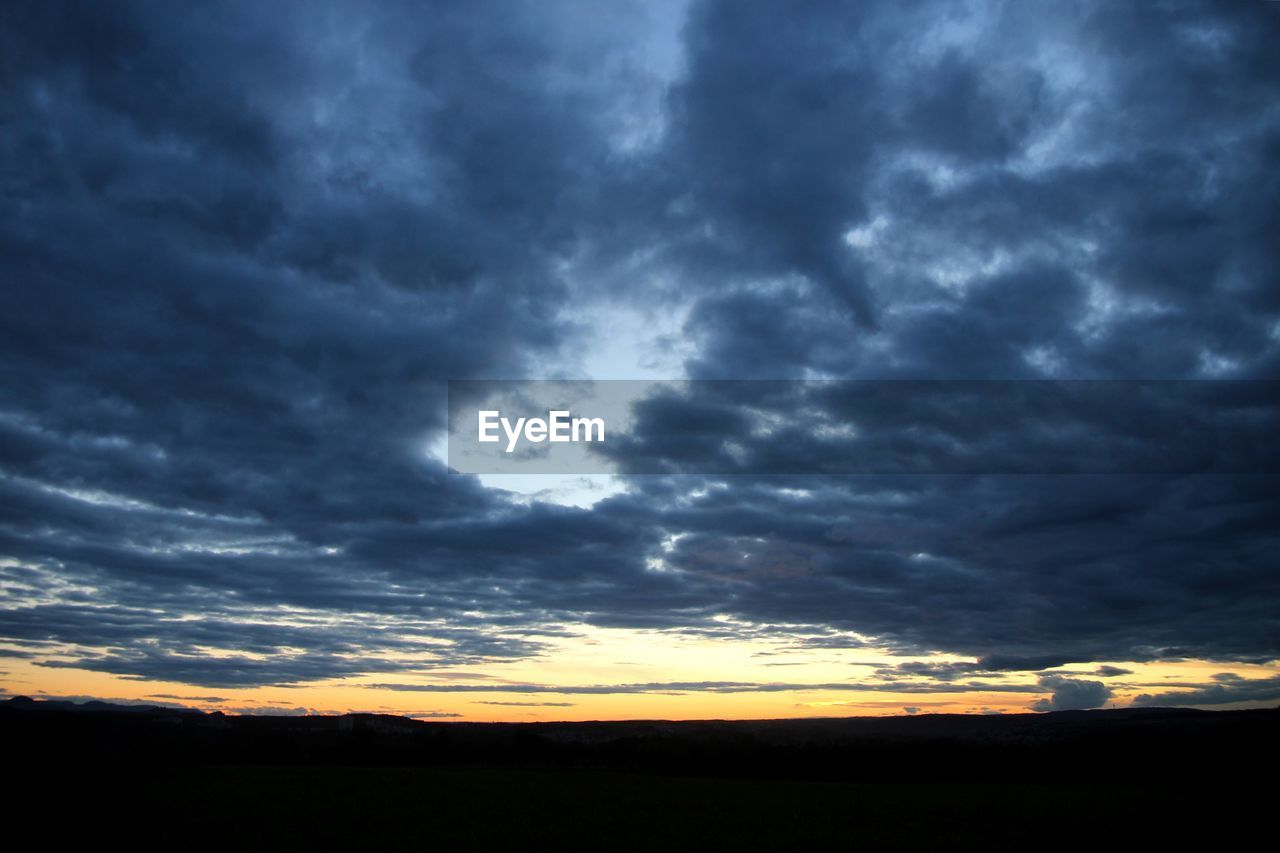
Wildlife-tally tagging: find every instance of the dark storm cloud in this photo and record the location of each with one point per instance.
(243, 246)
(1020, 573)
(948, 427)
(1074, 186)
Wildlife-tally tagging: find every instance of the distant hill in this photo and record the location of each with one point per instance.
(26, 703)
(1156, 743)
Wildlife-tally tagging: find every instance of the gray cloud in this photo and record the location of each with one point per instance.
(1228, 691)
(1071, 694)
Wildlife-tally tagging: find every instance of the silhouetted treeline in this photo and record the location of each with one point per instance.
(1164, 745)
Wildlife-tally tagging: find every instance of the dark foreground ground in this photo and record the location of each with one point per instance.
(305, 808)
(1101, 780)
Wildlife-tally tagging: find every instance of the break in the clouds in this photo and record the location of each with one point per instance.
(244, 245)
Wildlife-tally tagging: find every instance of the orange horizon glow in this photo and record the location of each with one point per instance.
(600, 658)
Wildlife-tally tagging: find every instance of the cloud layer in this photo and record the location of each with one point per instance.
(243, 247)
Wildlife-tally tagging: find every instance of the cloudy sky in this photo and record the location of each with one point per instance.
(244, 246)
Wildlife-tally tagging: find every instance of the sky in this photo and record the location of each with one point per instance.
(244, 246)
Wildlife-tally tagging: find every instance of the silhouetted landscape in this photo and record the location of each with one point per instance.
(893, 782)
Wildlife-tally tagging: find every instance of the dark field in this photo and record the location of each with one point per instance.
(296, 808)
(1136, 780)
